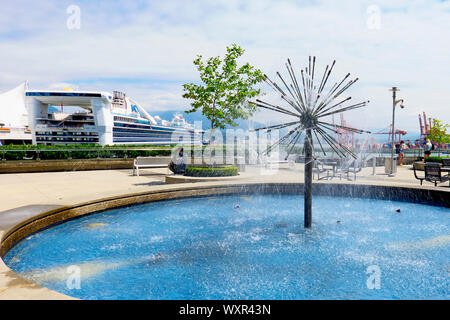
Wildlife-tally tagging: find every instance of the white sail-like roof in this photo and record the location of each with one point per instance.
(13, 112)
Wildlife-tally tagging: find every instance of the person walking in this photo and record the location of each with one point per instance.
(400, 150)
(427, 149)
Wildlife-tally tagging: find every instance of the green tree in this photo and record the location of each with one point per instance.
(438, 133)
(225, 88)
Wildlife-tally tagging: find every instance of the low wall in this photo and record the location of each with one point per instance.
(410, 160)
(381, 161)
(23, 166)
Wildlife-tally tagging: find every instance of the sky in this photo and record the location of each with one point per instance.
(146, 48)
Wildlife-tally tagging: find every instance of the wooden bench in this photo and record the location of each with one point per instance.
(148, 162)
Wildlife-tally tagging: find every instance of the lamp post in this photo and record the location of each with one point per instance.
(394, 103)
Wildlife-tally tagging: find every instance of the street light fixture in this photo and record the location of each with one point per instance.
(394, 103)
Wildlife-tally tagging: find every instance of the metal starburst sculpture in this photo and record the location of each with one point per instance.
(308, 104)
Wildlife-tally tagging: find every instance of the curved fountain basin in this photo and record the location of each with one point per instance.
(208, 248)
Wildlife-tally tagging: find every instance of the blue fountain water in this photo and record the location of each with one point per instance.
(210, 248)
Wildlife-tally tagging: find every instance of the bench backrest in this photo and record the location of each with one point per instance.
(416, 166)
(446, 162)
(148, 160)
(433, 171)
(350, 164)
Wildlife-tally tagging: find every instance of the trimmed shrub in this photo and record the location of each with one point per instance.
(434, 159)
(212, 172)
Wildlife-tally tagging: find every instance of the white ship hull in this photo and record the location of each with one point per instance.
(106, 119)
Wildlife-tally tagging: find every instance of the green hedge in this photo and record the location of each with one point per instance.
(212, 172)
(435, 159)
(53, 152)
(74, 152)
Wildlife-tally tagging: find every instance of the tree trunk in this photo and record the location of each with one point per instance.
(212, 130)
(212, 123)
(308, 179)
(213, 152)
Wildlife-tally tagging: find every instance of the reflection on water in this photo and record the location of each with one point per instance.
(95, 225)
(87, 269)
(440, 241)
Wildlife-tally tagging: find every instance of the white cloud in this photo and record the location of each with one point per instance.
(157, 40)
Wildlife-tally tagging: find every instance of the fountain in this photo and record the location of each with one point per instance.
(308, 106)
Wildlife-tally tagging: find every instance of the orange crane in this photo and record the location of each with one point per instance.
(397, 134)
(344, 137)
(424, 127)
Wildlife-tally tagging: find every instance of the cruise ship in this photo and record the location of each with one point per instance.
(101, 118)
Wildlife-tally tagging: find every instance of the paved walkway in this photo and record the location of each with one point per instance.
(27, 194)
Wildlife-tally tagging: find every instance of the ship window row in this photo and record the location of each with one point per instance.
(148, 131)
(46, 139)
(148, 134)
(163, 142)
(66, 134)
(167, 142)
(126, 125)
(144, 135)
(149, 140)
(131, 120)
(73, 119)
(147, 128)
(132, 130)
(152, 138)
(65, 126)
